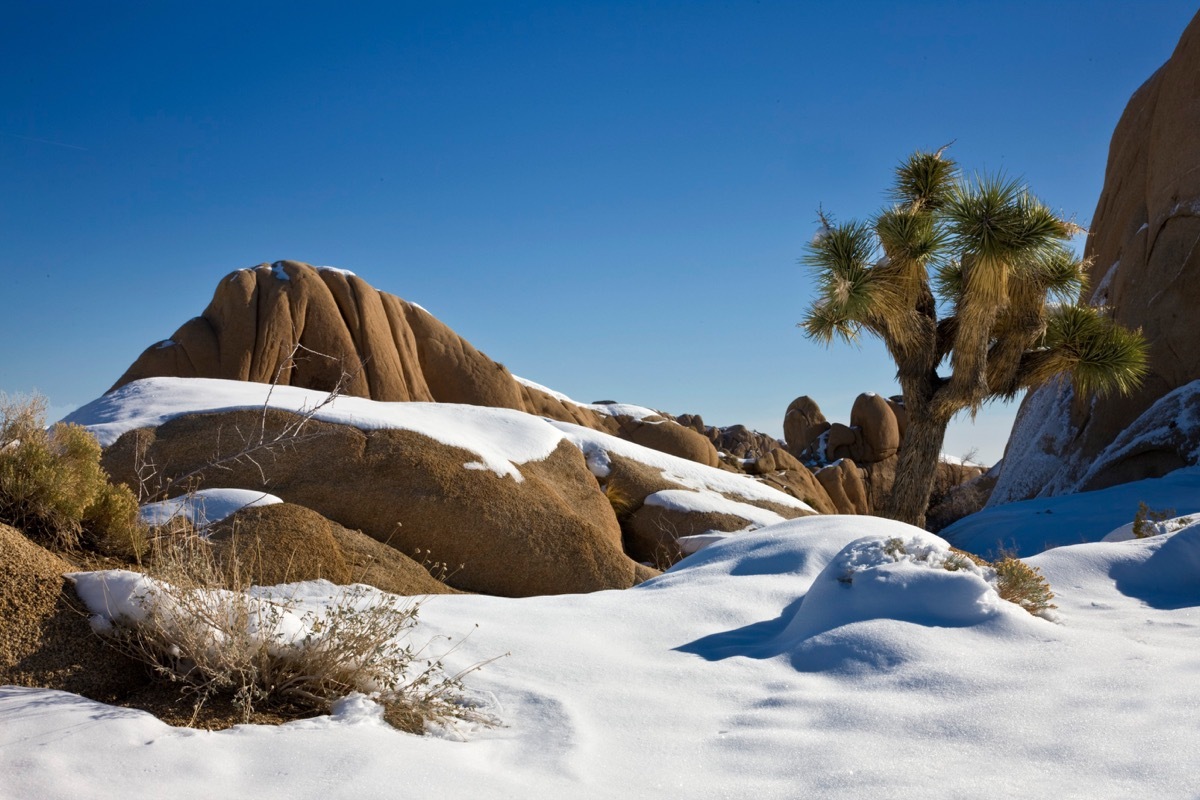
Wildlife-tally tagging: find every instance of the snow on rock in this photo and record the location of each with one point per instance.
(1040, 432)
(607, 409)
(338, 270)
(501, 438)
(597, 446)
(205, 507)
(686, 501)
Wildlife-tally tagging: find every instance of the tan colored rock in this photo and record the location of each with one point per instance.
(1146, 267)
(551, 533)
(873, 415)
(802, 424)
(843, 482)
(654, 532)
(283, 543)
(843, 442)
(669, 437)
(45, 638)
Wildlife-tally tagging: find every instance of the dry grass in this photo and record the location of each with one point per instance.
(254, 651)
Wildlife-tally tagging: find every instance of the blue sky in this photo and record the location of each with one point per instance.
(609, 198)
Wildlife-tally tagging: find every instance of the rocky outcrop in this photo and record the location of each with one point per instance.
(856, 464)
(318, 327)
(1146, 269)
(550, 532)
(803, 423)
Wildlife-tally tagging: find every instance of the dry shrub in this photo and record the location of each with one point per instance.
(258, 649)
(53, 488)
(1019, 583)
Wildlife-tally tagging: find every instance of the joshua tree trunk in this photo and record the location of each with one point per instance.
(916, 469)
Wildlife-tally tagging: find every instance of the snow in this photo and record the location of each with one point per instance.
(688, 501)
(811, 658)
(338, 270)
(205, 507)
(501, 438)
(279, 273)
(1031, 526)
(597, 447)
(607, 409)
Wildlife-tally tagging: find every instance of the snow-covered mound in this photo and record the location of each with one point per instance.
(204, 507)
(754, 668)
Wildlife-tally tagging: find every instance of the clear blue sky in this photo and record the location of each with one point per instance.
(609, 198)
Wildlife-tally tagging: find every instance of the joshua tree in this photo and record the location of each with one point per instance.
(963, 274)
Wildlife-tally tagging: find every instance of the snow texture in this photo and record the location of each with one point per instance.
(808, 659)
(688, 501)
(205, 507)
(1041, 431)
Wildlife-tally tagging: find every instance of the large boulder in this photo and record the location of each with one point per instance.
(873, 415)
(803, 423)
(844, 482)
(1146, 269)
(318, 328)
(548, 531)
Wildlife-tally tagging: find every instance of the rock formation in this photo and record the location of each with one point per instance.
(856, 463)
(318, 327)
(1146, 268)
(550, 533)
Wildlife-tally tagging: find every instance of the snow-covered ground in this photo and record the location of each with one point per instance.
(829, 656)
(805, 659)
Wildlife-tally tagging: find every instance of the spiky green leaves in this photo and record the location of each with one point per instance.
(925, 180)
(998, 220)
(840, 256)
(1100, 355)
(910, 236)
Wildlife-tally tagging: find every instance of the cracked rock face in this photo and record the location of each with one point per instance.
(1145, 246)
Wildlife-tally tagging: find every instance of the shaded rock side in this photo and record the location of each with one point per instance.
(284, 543)
(1146, 268)
(45, 638)
(552, 532)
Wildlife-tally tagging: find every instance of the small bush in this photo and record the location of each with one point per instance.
(53, 488)
(1019, 583)
(1146, 521)
(262, 651)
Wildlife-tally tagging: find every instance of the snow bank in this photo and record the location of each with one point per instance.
(1031, 526)
(205, 507)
